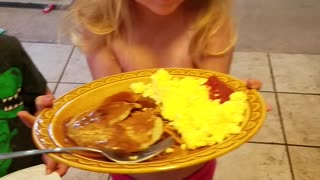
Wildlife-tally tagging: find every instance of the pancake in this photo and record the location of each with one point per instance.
(142, 129)
(126, 96)
(126, 126)
(106, 114)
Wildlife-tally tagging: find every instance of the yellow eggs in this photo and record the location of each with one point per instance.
(169, 150)
(185, 102)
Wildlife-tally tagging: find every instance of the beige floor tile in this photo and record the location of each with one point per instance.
(36, 172)
(296, 72)
(252, 65)
(78, 174)
(31, 25)
(301, 118)
(49, 58)
(305, 162)
(63, 88)
(271, 131)
(77, 69)
(254, 162)
(278, 26)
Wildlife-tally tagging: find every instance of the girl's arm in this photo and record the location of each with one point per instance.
(103, 63)
(220, 48)
(220, 63)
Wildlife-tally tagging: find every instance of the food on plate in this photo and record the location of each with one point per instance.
(192, 108)
(218, 90)
(196, 112)
(117, 124)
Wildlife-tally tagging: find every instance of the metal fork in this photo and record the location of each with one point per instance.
(113, 155)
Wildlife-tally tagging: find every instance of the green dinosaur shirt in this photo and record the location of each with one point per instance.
(20, 84)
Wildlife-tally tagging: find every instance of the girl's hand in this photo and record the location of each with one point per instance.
(253, 84)
(53, 166)
(256, 84)
(43, 102)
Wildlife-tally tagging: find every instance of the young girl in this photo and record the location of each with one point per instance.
(125, 35)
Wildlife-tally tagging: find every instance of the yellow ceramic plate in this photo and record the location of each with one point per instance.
(48, 131)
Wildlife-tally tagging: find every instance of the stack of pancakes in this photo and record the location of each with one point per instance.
(125, 121)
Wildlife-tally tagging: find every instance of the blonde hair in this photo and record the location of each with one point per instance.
(94, 23)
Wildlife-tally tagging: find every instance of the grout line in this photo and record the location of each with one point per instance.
(266, 91)
(66, 82)
(19, 5)
(22, 5)
(64, 68)
(305, 146)
(290, 53)
(40, 42)
(284, 144)
(271, 72)
(280, 116)
(55, 89)
(283, 92)
(62, 82)
(268, 143)
(316, 94)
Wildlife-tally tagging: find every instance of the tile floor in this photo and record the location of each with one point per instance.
(288, 145)
(263, 26)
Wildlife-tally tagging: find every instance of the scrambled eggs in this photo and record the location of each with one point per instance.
(186, 104)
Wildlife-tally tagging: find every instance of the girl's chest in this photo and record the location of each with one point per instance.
(154, 51)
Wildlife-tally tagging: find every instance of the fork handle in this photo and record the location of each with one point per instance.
(37, 151)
